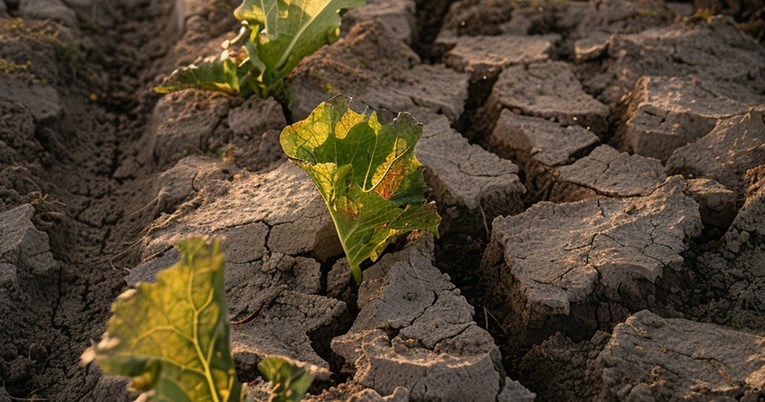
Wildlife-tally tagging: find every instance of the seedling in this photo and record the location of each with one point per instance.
(172, 337)
(365, 169)
(274, 37)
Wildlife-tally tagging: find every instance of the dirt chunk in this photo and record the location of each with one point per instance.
(380, 71)
(275, 212)
(717, 204)
(665, 113)
(416, 331)
(24, 250)
(550, 91)
(531, 140)
(559, 369)
(731, 273)
(725, 154)
(622, 16)
(577, 266)
(397, 15)
(608, 172)
(539, 146)
(282, 328)
(479, 53)
(653, 358)
(270, 221)
(42, 101)
(17, 136)
(729, 62)
(255, 127)
(465, 176)
(182, 124)
(179, 183)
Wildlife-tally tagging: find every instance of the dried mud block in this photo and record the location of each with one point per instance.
(751, 217)
(725, 154)
(352, 392)
(183, 180)
(416, 331)
(397, 15)
(255, 127)
(591, 47)
(539, 146)
(466, 176)
(560, 368)
(575, 267)
(24, 250)
(481, 53)
(608, 172)
(42, 101)
(261, 215)
(653, 358)
(735, 271)
(369, 395)
(18, 143)
(476, 17)
(665, 113)
(717, 204)
(282, 328)
(729, 62)
(550, 91)
(181, 124)
(745, 246)
(379, 71)
(47, 9)
(271, 223)
(622, 16)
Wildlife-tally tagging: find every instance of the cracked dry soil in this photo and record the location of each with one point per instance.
(599, 165)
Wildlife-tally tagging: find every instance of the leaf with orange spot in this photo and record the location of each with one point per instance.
(365, 169)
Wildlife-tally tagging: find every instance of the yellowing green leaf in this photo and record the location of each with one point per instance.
(276, 35)
(366, 171)
(289, 379)
(292, 29)
(172, 337)
(213, 76)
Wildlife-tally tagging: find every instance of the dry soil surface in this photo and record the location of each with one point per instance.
(599, 165)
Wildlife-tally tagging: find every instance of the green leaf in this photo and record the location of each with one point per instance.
(289, 379)
(275, 36)
(289, 30)
(366, 171)
(222, 76)
(172, 337)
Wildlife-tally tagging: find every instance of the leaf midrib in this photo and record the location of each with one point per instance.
(288, 51)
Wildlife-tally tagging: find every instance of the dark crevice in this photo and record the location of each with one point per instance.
(430, 16)
(474, 124)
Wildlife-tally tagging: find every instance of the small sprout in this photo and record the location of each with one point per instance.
(274, 37)
(365, 169)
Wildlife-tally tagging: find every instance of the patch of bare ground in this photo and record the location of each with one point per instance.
(598, 166)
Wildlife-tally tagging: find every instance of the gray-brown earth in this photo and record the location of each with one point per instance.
(600, 167)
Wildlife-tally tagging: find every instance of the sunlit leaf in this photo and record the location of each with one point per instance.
(219, 76)
(366, 171)
(276, 35)
(172, 337)
(292, 29)
(289, 379)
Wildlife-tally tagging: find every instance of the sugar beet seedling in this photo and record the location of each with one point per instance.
(274, 37)
(365, 169)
